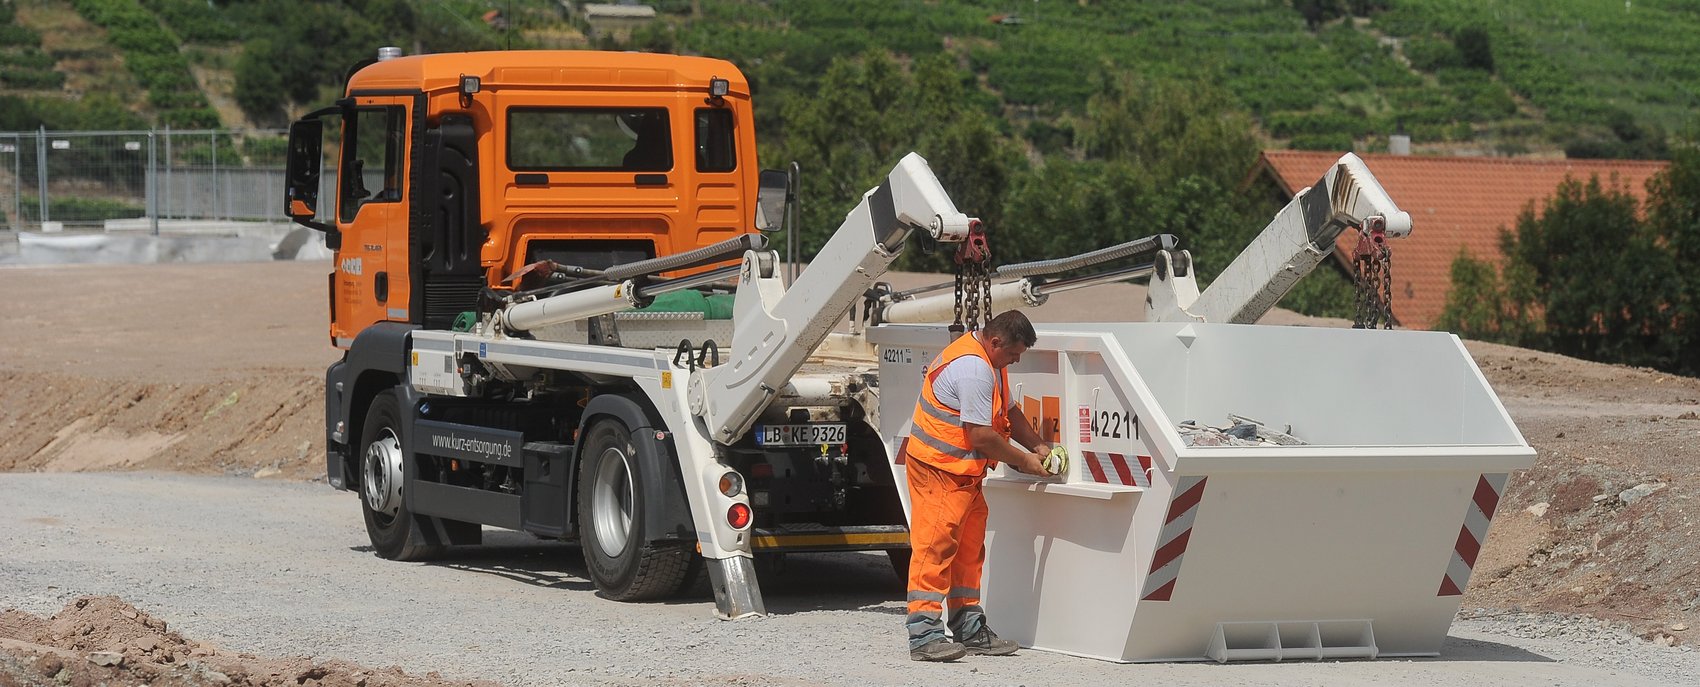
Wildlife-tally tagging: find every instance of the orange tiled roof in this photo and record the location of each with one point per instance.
(1454, 202)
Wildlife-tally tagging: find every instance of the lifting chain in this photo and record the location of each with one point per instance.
(1373, 281)
(973, 282)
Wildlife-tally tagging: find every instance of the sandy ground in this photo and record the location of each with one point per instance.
(216, 369)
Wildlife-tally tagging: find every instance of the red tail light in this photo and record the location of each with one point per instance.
(738, 516)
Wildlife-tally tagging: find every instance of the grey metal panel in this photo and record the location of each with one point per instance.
(466, 505)
(467, 442)
(421, 343)
(556, 353)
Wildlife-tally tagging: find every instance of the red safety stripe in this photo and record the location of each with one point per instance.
(1122, 470)
(1170, 551)
(1467, 547)
(1097, 470)
(1486, 498)
(1163, 593)
(1185, 502)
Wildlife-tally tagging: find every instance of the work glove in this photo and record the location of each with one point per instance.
(1056, 462)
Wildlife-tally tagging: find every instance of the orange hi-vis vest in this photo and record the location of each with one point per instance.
(938, 438)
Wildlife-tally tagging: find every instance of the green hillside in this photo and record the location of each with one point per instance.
(1493, 76)
(1081, 121)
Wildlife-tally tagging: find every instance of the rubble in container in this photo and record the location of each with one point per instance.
(1241, 431)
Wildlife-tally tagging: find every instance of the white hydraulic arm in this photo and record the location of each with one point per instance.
(776, 329)
(1032, 289)
(1299, 238)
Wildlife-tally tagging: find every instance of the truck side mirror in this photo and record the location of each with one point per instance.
(301, 173)
(770, 199)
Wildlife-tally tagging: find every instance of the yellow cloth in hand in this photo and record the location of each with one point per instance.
(1057, 462)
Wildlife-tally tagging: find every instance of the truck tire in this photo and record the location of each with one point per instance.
(389, 523)
(611, 512)
(900, 563)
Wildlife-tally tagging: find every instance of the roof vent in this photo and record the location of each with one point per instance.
(388, 52)
(1399, 144)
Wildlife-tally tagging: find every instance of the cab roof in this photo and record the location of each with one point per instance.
(548, 68)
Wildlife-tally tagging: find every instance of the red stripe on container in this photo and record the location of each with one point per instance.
(1122, 470)
(1170, 551)
(1468, 548)
(1163, 593)
(1486, 498)
(1185, 501)
(1097, 470)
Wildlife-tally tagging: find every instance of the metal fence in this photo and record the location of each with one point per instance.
(134, 180)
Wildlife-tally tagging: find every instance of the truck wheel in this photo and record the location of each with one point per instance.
(388, 522)
(611, 512)
(900, 563)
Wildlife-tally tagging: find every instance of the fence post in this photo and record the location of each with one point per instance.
(153, 183)
(17, 182)
(41, 173)
(215, 194)
(168, 185)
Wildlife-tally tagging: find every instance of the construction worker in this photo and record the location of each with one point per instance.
(963, 424)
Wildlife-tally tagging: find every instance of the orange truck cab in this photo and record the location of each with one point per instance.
(456, 170)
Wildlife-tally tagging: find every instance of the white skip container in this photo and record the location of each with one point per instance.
(1358, 542)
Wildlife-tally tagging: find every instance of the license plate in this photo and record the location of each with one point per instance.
(799, 435)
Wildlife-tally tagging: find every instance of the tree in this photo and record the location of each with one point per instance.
(1606, 288)
(866, 114)
(259, 88)
(1673, 216)
(1319, 12)
(1482, 306)
(1475, 47)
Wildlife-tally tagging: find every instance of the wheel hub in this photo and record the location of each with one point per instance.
(382, 474)
(611, 502)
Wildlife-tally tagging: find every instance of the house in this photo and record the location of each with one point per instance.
(1456, 203)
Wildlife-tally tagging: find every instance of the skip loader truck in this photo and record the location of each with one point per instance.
(559, 315)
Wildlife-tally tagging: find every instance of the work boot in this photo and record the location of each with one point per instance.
(940, 649)
(988, 643)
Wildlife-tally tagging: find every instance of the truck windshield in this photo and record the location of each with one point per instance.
(589, 139)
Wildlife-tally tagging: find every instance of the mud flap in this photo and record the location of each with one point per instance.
(736, 592)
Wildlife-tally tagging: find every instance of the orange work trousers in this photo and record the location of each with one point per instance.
(947, 538)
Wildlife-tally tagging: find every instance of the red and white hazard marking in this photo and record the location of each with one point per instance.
(1477, 517)
(1171, 543)
(1115, 468)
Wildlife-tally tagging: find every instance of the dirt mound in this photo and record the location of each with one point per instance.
(103, 640)
(1604, 523)
(267, 423)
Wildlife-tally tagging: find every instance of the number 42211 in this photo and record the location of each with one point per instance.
(1115, 424)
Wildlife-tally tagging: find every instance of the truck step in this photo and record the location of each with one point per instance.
(815, 537)
(1306, 639)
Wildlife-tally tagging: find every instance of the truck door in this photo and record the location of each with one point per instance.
(371, 278)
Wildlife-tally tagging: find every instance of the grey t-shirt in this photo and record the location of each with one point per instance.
(966, 385)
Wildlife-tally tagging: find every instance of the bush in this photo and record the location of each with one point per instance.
(1475, 49)
(266, 150)
(12, 34)
(1331, 142)
(29, 58)
(190, 118)
(1431, 54)
(32, 79)
(151, 55)
(1293, 124)
(82, 210)
(194, 20)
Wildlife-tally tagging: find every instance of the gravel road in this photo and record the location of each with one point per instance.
(278, 568)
